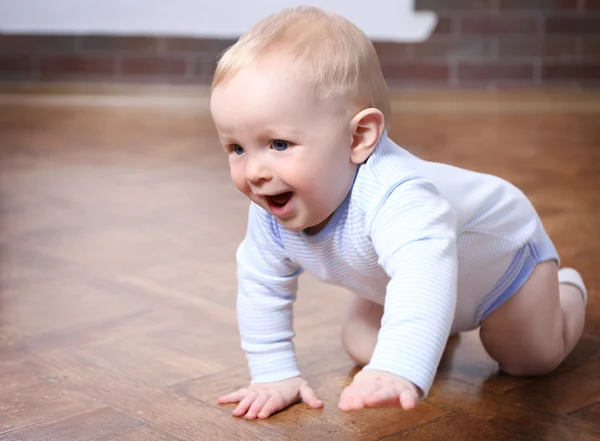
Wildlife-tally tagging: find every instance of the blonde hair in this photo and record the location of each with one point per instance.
(337, 58)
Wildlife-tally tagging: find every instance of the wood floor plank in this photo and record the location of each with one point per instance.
(456, 428)
(65, 308)
(22, 345)
(169, 355)
(26, 398)
(499, 410)
(590, 414)
(156, 407)
(22, 267)
(146, 434)
(62, 315)
(555, 393)
(101, 424)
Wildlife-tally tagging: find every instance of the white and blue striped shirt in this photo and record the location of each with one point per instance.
(426, 240)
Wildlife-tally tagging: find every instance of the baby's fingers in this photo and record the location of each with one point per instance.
(393, 397)
(384, 397)
(408, 399)
(310, 397)
(274, 404)
(233, 397)
(257, 405)
(245, 404)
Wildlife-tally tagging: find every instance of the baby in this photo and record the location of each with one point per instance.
(427, 250)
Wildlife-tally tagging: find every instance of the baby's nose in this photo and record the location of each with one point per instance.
(257, 171)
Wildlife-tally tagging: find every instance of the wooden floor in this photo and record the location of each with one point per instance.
(118, 228)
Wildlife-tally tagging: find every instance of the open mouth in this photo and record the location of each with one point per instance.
(280, 200)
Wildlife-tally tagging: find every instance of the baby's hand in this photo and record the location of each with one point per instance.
(263, 400)
(373, 388)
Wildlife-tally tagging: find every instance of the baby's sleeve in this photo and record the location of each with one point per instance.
(267, 286)
(413, 229)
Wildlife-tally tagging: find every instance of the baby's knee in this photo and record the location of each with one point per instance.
(533, 366)
(358, 345)
(360, 329)
(359, 354)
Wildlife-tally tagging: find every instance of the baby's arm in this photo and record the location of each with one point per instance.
(413, 230)
(267, 285)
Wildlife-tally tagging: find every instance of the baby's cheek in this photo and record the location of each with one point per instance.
(240, 183)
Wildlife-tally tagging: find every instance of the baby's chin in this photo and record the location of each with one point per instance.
(316, 228)
(293, 224)
(297, 223)
(300, 225)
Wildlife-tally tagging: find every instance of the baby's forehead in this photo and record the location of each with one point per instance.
(276, 116)
(266, 84)
(270, 86)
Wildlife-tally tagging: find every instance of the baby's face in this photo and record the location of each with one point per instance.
(288, 152)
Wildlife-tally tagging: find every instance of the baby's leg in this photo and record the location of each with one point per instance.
(533, 332)
(360, 329)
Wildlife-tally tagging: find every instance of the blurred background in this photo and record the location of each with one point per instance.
(486, 44)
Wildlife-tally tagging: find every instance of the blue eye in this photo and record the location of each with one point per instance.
(280, 145)
(237, 149)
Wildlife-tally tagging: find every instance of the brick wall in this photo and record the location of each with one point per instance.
(477, 44)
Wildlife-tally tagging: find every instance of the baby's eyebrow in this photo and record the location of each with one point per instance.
(281, 132)
(227, 139)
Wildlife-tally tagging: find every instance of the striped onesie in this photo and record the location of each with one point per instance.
(438, 246)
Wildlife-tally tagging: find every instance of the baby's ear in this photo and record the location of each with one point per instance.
(367, 127)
